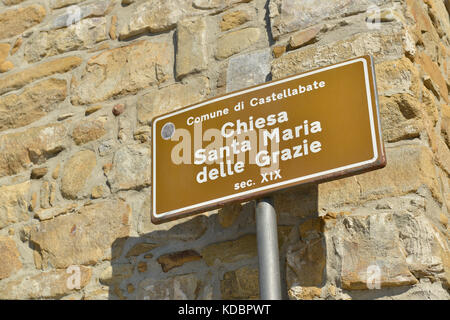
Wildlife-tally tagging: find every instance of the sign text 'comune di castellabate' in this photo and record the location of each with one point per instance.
(312, 127)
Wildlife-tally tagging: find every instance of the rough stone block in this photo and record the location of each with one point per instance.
(16, 21)
(18, 110)
(131, 168)
(10, 262)
(172, 97)
(19, 150)
(192, 55)
(81, 238)
(240, 284)
(19, 79)
(123, 70)
(236, 41)
(247, 70)
(77, 171)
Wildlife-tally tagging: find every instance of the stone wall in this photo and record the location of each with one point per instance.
(80, 82)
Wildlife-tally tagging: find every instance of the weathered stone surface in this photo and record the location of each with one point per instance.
(432, 69)
(440, 150)
(184, 287)
(65, 116)
(99, 192)
(142, 266)
(4, 51)
(10, 261)
(240, 284)
(306, 260)
(401, 174)
(236, 41)
(47, 194)
(431, 106)
(191, 47)
(143, 134)
(177, 259)
(19, 150)
(387, 249)
(154, 16)
(208, 4)
(115, 274)
(400, 115)
(230, 251)
(89, 130)
(216, 4)
(381, 46)
(439, 15)
(55, 173)
(278, 51)
(304, 293)
(383, 15)
(247, 70)
(365, 242)
(6, 66)
(90, 110)
(426, 249)
(233, 19)
(14, 203)
(445, 125)
(33, 201)
(76, 13)
(38, 173)
(304, 37)
(172, 97)
(131, 168)
(81, 239)
(297, 202)
(56, 4)
(126, 125)
(17, 45)
(423, 28)
(46, 285)
(141, 248)
(113, 28)
(228, 214)
(186, 229)
(11, 2)
(398, 76)
(98, 294)
(408, 168)
(83, 35)
(291, 15)
(17, 110)
(47, 214)
(124, 70)
(76, 172)
(19, 79)
(14, 22)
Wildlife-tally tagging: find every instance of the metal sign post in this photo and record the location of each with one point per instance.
(268, 255)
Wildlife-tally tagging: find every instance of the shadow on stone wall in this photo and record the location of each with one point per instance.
(215, 256)
(304, 252)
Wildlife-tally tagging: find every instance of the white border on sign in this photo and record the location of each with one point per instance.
(372, 126)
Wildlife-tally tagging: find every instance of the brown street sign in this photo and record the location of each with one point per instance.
(312, 127)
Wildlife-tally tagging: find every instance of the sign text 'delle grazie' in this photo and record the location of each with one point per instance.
(311, 127)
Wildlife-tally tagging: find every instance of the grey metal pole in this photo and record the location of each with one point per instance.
(268, 255)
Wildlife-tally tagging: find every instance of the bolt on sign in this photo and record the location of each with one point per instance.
(311, 127)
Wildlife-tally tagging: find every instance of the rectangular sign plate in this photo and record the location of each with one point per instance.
(312, 127)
